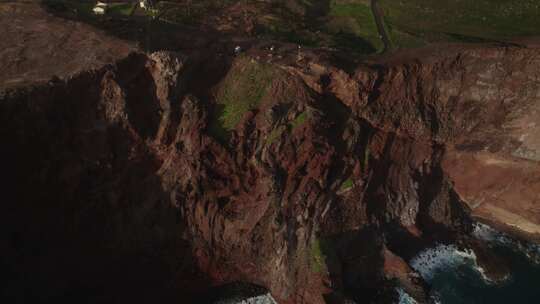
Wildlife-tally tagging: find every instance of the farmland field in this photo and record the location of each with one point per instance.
(415, 22)
(344, 24)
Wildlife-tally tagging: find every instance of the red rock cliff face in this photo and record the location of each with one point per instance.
(116, 185)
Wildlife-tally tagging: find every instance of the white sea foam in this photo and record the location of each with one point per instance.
(405, 298)
(435, 299)
(486, 233)
(261, 299)
(442, 258)
(490, 235)
(445, 258)
(433, 260)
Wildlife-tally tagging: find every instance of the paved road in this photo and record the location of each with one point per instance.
(378, 15)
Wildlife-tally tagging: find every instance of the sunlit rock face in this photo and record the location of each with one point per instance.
(307, 189)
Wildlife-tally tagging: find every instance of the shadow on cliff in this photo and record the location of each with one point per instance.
(354, 261)
(86, 216)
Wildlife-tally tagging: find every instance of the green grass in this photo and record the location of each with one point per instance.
(403, 39)
(284, 26)
(461, 20)
(317, 257)
(322, 255)
(120, 9)
(287, 35)
(241, 91)
(175, 13)
(365, 161)
(347, 184)
(349, 26)
(295, 123)
(356, 25)
(299, 120)
(274, 134)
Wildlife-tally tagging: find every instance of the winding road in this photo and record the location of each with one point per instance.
(378, 15)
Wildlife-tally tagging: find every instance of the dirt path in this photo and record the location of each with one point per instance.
(378, 15)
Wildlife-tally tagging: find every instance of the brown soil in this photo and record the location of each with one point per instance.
(36, 45)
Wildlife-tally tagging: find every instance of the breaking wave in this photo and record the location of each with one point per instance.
(494, 237)
(404, 297)
(441, 258)
(260, 299)
(455, 276)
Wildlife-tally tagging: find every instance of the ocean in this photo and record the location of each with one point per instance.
(456, 278)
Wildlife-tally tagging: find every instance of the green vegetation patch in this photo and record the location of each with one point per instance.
(347, 184)
(187, 12)
(318, 258)
(323, 255)
(283, 26)
(366, 158)
(341, 24)
(299, 120)
(403, 39)
(353, 26)
(461, 20)
(274, 134)
(295, 123)
(124, 9)
(241, 91)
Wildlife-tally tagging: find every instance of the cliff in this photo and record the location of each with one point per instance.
(164, 171)
(160, 175)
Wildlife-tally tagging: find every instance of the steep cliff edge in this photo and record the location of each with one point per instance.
(163, 174)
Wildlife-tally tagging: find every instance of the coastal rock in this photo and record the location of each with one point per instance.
(158, 161)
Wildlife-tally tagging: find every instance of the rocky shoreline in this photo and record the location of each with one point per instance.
(480, 252)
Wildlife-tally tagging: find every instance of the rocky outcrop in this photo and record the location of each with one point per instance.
(119, 184)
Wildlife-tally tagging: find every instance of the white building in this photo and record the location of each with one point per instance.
(100, 8)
